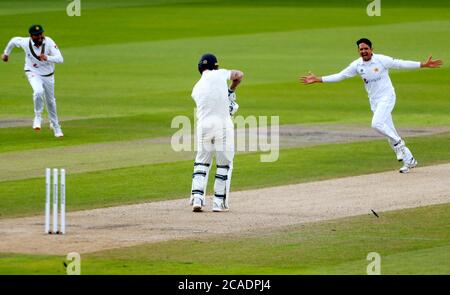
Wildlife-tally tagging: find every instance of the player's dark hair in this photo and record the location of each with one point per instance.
(365, 41)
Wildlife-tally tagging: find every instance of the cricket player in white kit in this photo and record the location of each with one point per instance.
(216, 103)
(41, 55)
(374, 71)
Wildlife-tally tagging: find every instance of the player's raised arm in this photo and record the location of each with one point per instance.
(236, 78)
(395, 63)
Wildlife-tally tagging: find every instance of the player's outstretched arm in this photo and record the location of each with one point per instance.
(348, 72)
(236, 78)
(430, 63)
(394, 63)
(310, 79)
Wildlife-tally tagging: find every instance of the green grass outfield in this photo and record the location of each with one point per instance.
(129, 69)
(412, 241)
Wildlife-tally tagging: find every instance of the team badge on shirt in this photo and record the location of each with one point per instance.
(376, 70)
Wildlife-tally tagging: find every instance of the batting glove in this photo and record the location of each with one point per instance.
(231, 95)
(233, 107)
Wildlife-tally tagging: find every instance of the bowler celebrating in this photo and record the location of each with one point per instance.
(41, 54)
(374, 71)
(215, 131)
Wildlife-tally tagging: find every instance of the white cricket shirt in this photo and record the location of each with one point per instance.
(210, 94)
(374, 73)
(31, 62)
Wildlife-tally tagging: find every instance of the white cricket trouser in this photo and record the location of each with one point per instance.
(382, 121)
(44, 87)
(382, 118)
(210, 141)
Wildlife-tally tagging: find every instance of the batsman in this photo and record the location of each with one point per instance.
(216, 104)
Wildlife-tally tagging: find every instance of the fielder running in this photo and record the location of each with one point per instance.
(374, 70)
(41, 54)
(216, 103)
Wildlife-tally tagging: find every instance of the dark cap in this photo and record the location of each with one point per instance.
(207, 62)
(36, 30)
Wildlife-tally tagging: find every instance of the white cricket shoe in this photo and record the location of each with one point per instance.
(58, 132)
(219, 205)
(37, 123)
(51, 126)
(407, 165)
(197, 204)
(399, 150)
